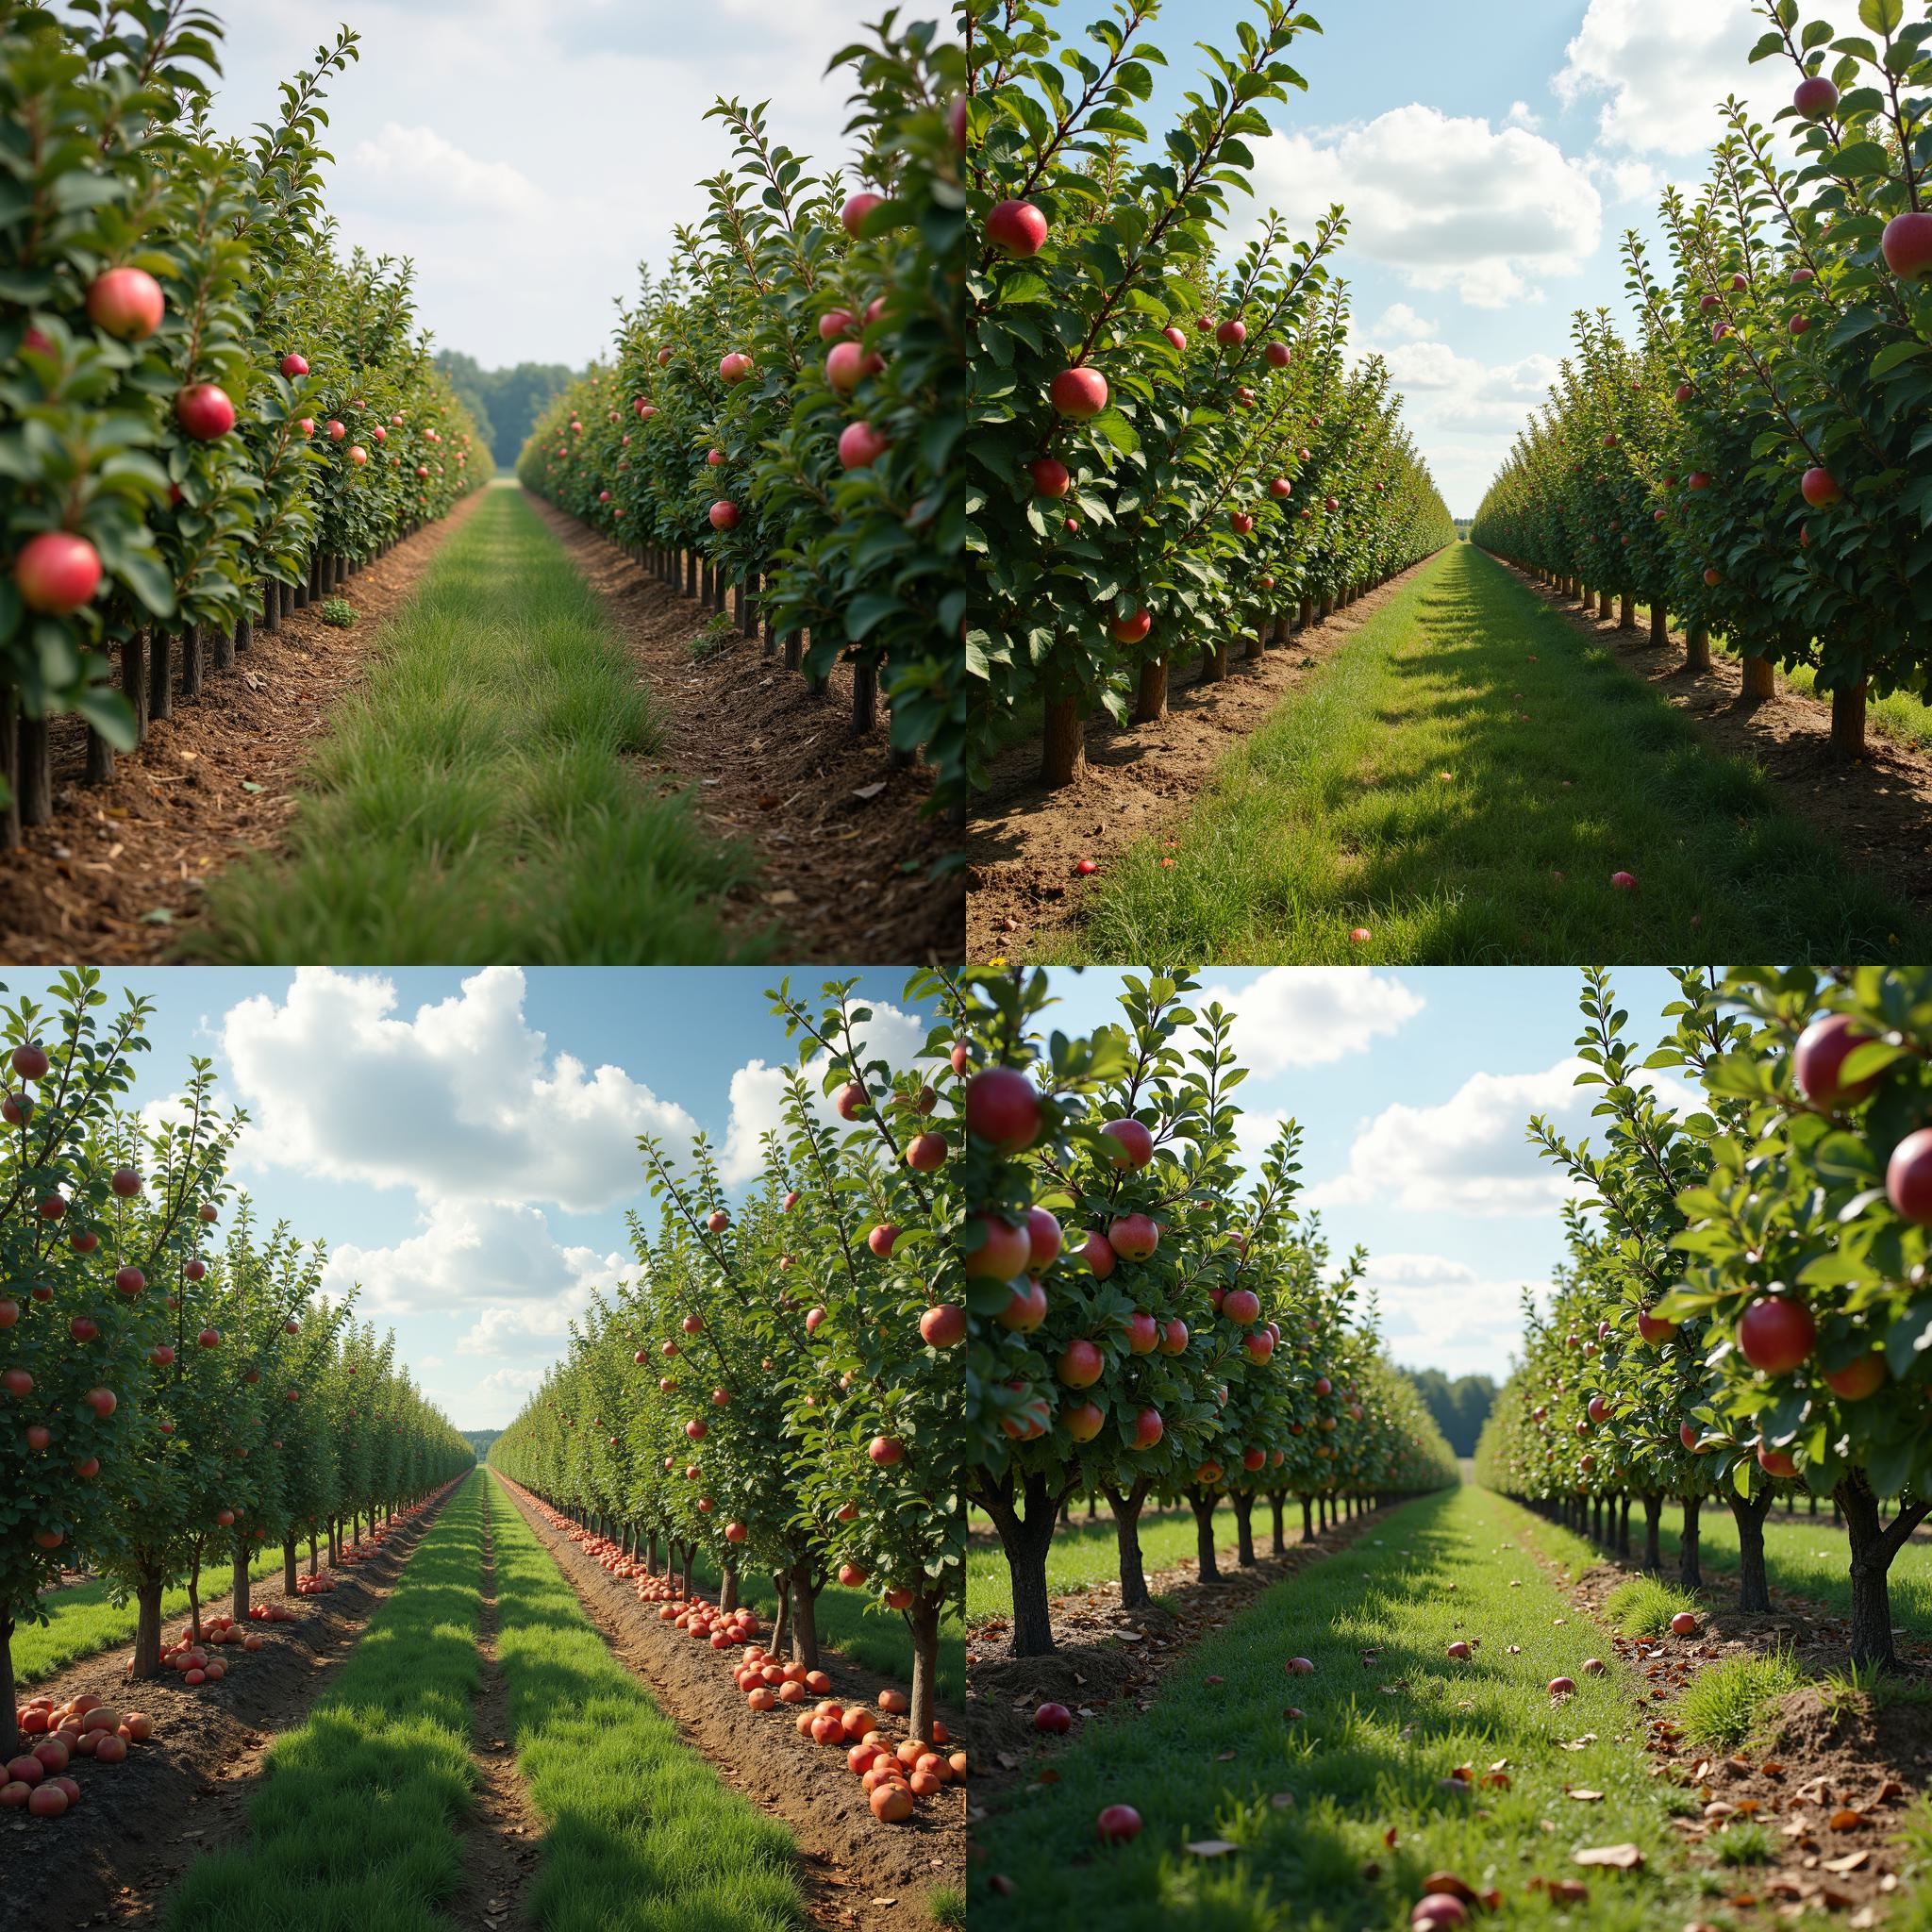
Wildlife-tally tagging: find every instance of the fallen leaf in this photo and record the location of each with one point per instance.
(1585, 1797)
(1847, 1819)
(1850, 1863)
(1210, 1847)
(869, 791)
(1224, 1758)
(1623, 1857)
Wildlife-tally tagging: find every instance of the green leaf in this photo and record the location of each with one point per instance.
(1882, 16)
(1910, 1338)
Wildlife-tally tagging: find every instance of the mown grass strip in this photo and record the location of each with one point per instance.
(1336, 1816)
(644, 1836)
(479, 799)
(81, 1621)
(358, 1827)
(1561, 769)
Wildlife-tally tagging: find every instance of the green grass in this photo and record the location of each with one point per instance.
(82, 1621)
(1745, 1841)
(1334, 816)
(357, 1825)
(643, 1836)
(478, 800)
(1084, 1553)
(1360, 1764)
(1807, 1555)
(875, 1643)
(1723, 1705)
(1644, 1605)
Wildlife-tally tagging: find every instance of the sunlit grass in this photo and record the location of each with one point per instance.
(1724, 1704)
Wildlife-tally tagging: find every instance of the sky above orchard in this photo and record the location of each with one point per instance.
(466, 1142)
(529, 154)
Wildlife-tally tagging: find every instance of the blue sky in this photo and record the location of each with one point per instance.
(527, 154)
(465, 1140)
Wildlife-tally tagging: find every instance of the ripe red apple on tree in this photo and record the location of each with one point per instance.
(1906, 245)
(56, 572)
(1909, 1176)
(1051, 478)
(1079, 394)
(860, 445)
(1818, 489)
(1133, 1237)
(943, 1326)
(1133, 1146)
(1016, 228)
(1815, 97)
(722, 515)
(1818, 1063)
(127, 303)
(852, 216)
(1003, 1108)
(1776, 1333)
(204, 411)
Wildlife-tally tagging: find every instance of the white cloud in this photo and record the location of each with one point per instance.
(1304, 1016)
(460, 1102)
(1519, 116)
(757, 1089)
(1448, 200)
(1399, 323)
(1443, 1313)
(437, 177)
(1663, 67)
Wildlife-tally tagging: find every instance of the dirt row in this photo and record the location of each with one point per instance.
(846, 849)
(1879, 810)
(857, 1871)
(1023, 847)
(140, 1824)
(118, 876)
(1829, 1778)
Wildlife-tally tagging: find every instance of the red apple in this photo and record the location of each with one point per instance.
(1684, 1624)
(1863, 1377)
(943, 1326)
(1079, 394)
(1081, 1365)
(294, 365)
(1654, 1330)
(1815, 98)
(127, 303)
(732, 368)
(56, 572)
(1775, 1333)
(1002, 1107)
(1907, 245)
(1909, 1176)
(722, 515)
(852, 216)
(1133, 1146)
(1818, 489)
(1098, 1255)
(1776, 1461)
(1133, 1237)
(860, 445)
(1051, 478)
(1148, 1428)
(1129, 630)
(204, 411)
(1818, 1063)
(1016, 228)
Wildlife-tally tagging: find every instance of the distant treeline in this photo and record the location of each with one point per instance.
(505, 402)
(1460, 1407)
(481, 1440)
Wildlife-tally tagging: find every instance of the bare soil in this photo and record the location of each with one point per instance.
(114, 1858)
(845, 848)
(857, 1871)
(1022, 849)
(1830, 1781)
(119, 874)
(1878, 810)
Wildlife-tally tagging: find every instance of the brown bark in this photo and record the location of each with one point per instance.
(1759, 679)
(1848, 722)
(1150, 691)
(1063, 743)
(923, 1621)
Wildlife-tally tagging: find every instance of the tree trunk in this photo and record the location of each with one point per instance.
(1126, 1530)
(1025, 1539)
(100, 760)
(1243, 1505)
(1697, 648)
(1659, 625)
(1759, 680)
(727, 1588)
(804, 1608)
(194, 659)
(1626, 612)
(1150, 692)
(1063, 744)
(782, 1624)
(865, 695)
(147, 1622)
(36, 772)
(194, 1593)
(1749, 1512)
(1689, 1575)
(1280, 1546)
(289, 1566)
(9, 1733)
(239, 1610)
(1848, 722)
(1623, 1529)
(1308, 1521)
(1652, 1516)
(1874, 1544)
(1214, 662)
(1603, 605)
(311, 1549)
(1201, 1503)
(923, 1620)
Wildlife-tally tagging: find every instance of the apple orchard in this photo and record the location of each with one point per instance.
(777, 1393)
(775, 430)
(1756, 461)
(212, 417)
(175, 1394)
(1168, 455)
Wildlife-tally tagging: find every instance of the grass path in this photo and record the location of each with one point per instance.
(642, 1835)
(81, 1621)
(1310, 1803)
(479, 799)
(357, 1825)
(1337, 814)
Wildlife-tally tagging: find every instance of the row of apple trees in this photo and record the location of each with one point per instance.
(206, 409)
(1759, 462)
(172, 1388)
(1744, 1312)
(778, 1385)
(1142, 1324)
(785, 402)
(1168, 454)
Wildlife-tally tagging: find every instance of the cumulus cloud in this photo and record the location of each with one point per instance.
(1303, 1016)
(1399, 323)
(459, 1101)
(757, 1089)
(1449, 201)
(438, 177)
(1661, 68)
(1443, 1312)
